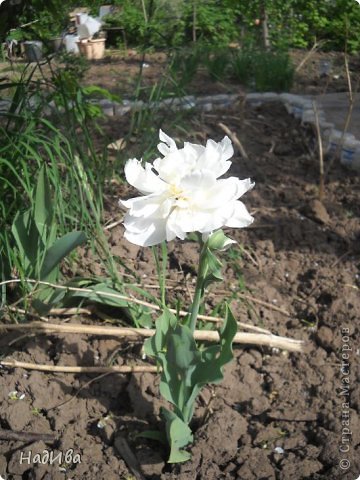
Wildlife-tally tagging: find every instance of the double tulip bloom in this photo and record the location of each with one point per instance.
(182, 192)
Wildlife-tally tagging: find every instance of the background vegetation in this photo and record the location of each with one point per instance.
(163, 23)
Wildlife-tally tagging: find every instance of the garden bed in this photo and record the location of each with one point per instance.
(277, 415)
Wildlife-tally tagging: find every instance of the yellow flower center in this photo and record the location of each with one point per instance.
(178, 194)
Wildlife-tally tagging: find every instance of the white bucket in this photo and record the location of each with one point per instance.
(88, 27)
(33, 51)
(81, 18)
(70, 44)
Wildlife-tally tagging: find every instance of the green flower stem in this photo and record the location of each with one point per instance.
(161, 270)
(199, 288)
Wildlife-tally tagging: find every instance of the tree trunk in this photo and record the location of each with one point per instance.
(264, 22)
(194, 22)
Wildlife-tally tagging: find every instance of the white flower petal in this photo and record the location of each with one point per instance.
(168, 145)
(186, 195)
(198, 180)
(240, 217)
(145, 232)
(244, 186)
(142, 179)
(215, 157)
(226, 148)
(157, 205)
(224, 191)
(189, 220)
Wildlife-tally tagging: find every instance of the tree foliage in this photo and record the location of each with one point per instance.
(163, 23)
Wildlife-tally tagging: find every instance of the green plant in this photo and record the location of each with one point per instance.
(76, 171)
(38, 250)
(241, 66)
(185, 64)
(273, 71)
(182, 193)
(187, 367)
(217, 62)
(263, 70)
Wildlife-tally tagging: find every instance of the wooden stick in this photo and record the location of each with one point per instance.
(136, 333)
(348, 116)
(26, 437)
(77, 369)
(321, 154)
(53, 311)
(309, 55)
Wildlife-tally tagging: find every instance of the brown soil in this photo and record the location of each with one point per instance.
(276, 415)
(119, 73)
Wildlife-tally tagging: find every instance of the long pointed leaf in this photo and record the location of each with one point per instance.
(62, 247)
(43, 204)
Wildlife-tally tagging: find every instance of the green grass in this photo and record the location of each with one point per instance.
(263, 71)
(31, 137)
(217, 62)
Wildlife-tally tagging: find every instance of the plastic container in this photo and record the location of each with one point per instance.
(290, 97)
(309, 116)
(355, 165)
(324, 68)
(350, 154)
(57, 44)
(325, 126)
(336, 139)
(92, 49)
(88, 26)
(33, 51)
(81, 18)
(299, 106)
(71, 44)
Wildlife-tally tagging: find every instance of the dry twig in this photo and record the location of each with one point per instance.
(309, 54)
(77, 369)
(136, 333)
(182, 313)
(321, 153)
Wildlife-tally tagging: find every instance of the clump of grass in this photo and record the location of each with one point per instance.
(217, 62)
(32, 137)
(273, 71)
(263, 70)
(185, 64)
(242, 66)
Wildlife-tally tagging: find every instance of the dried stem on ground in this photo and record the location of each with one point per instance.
(182, 313)
(78, 369)
(273, 341)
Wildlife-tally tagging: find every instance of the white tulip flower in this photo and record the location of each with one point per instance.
(182, 193)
